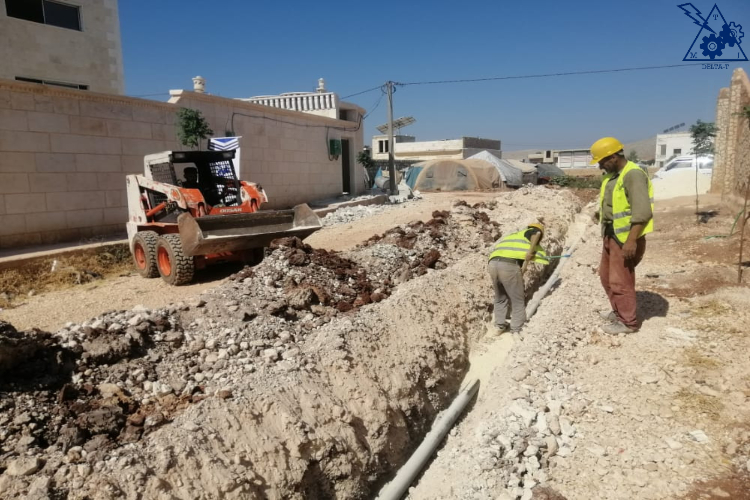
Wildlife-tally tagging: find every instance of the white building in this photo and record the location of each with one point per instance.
(670, 145)
(408, 148)
(321, 103)
(547, 156)
(574, 158)
(75, 44)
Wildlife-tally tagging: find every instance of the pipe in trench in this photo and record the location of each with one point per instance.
(411, 469)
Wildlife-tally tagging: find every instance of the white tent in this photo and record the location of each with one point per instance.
(513, 172)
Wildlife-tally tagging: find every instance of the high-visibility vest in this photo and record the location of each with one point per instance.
(516, 246)
(621, 212)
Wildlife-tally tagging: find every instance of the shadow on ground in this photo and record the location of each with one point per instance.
(651, 305)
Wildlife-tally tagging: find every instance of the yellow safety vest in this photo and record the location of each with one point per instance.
(515, 246)
(621, 212)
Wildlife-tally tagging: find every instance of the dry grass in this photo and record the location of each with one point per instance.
(711, 309)
(699, 403)
(696, 359)
(70, 271)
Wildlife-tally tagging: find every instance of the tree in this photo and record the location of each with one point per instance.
(703, 134)
(633, 156)
(192, 127)
(364, 159)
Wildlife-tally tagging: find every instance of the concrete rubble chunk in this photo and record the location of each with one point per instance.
(673, 444)
(553, 422)
(24, 466)
(698, 436)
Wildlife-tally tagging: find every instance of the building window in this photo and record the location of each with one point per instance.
(45, 12)
(663, 149)
(52, 82)
(548, 154)
(677, 151)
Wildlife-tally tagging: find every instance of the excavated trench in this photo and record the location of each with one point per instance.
(312, 375)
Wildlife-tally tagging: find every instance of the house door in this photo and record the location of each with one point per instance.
(346, 167)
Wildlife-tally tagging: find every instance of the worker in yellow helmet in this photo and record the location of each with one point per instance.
(626, 207)
(506, 266)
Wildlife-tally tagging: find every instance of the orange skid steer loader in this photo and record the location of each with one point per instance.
(179, 224)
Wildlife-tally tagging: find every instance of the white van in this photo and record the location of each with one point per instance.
(686, 163)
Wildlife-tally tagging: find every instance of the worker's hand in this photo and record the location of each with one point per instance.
(628, 249)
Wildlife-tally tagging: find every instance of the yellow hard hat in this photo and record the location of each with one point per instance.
(537, 226)
(604, 147)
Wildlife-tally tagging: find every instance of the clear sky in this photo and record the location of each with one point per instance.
(245, 48)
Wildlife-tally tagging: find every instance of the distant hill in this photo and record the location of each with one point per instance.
(645, 148)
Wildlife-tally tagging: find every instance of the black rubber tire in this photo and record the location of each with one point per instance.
(146, 240)
(181, 266)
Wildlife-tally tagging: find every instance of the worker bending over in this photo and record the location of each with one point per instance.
(508, 260)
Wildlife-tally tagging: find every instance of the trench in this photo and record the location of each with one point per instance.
(484, 358)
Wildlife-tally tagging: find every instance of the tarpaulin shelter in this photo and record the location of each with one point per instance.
(457, 175)
(513, 172)
(546, 171)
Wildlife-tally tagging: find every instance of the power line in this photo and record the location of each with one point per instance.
(363, 92)
(545, 75)
(375, 106)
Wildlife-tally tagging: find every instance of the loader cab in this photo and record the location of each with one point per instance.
(217, 180)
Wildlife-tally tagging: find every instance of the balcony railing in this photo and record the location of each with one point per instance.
(305, 102)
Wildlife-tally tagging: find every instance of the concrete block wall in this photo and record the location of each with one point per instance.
(284, 151)
(64, 155)
(732, 168)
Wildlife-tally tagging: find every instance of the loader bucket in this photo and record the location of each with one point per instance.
(231, 233)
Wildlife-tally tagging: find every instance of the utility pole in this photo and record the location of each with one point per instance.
(391, 144)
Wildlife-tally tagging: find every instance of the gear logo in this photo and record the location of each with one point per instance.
(717, 40)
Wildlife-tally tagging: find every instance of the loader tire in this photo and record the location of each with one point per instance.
(174, 266)
(144, 253)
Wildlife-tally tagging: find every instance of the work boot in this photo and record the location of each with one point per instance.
(610, 316)
(498, 330)
(618, 328)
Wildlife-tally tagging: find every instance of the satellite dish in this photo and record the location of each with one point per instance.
(402, 122)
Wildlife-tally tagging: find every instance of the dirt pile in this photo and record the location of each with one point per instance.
(312, 375)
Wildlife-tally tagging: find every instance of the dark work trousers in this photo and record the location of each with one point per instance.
(507, 282)
(618, 278)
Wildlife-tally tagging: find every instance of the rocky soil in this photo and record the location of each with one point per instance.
(312, 375)
(659, 414)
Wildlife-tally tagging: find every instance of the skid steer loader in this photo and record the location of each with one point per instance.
(178, 225)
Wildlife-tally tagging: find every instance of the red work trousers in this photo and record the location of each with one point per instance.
(618, 278)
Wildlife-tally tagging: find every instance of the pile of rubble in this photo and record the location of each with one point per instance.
(346, 215)
(300, 353)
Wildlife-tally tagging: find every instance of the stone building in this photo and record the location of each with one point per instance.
(731, 172)
(75, 44)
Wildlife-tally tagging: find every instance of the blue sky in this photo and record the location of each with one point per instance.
(246, 48)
